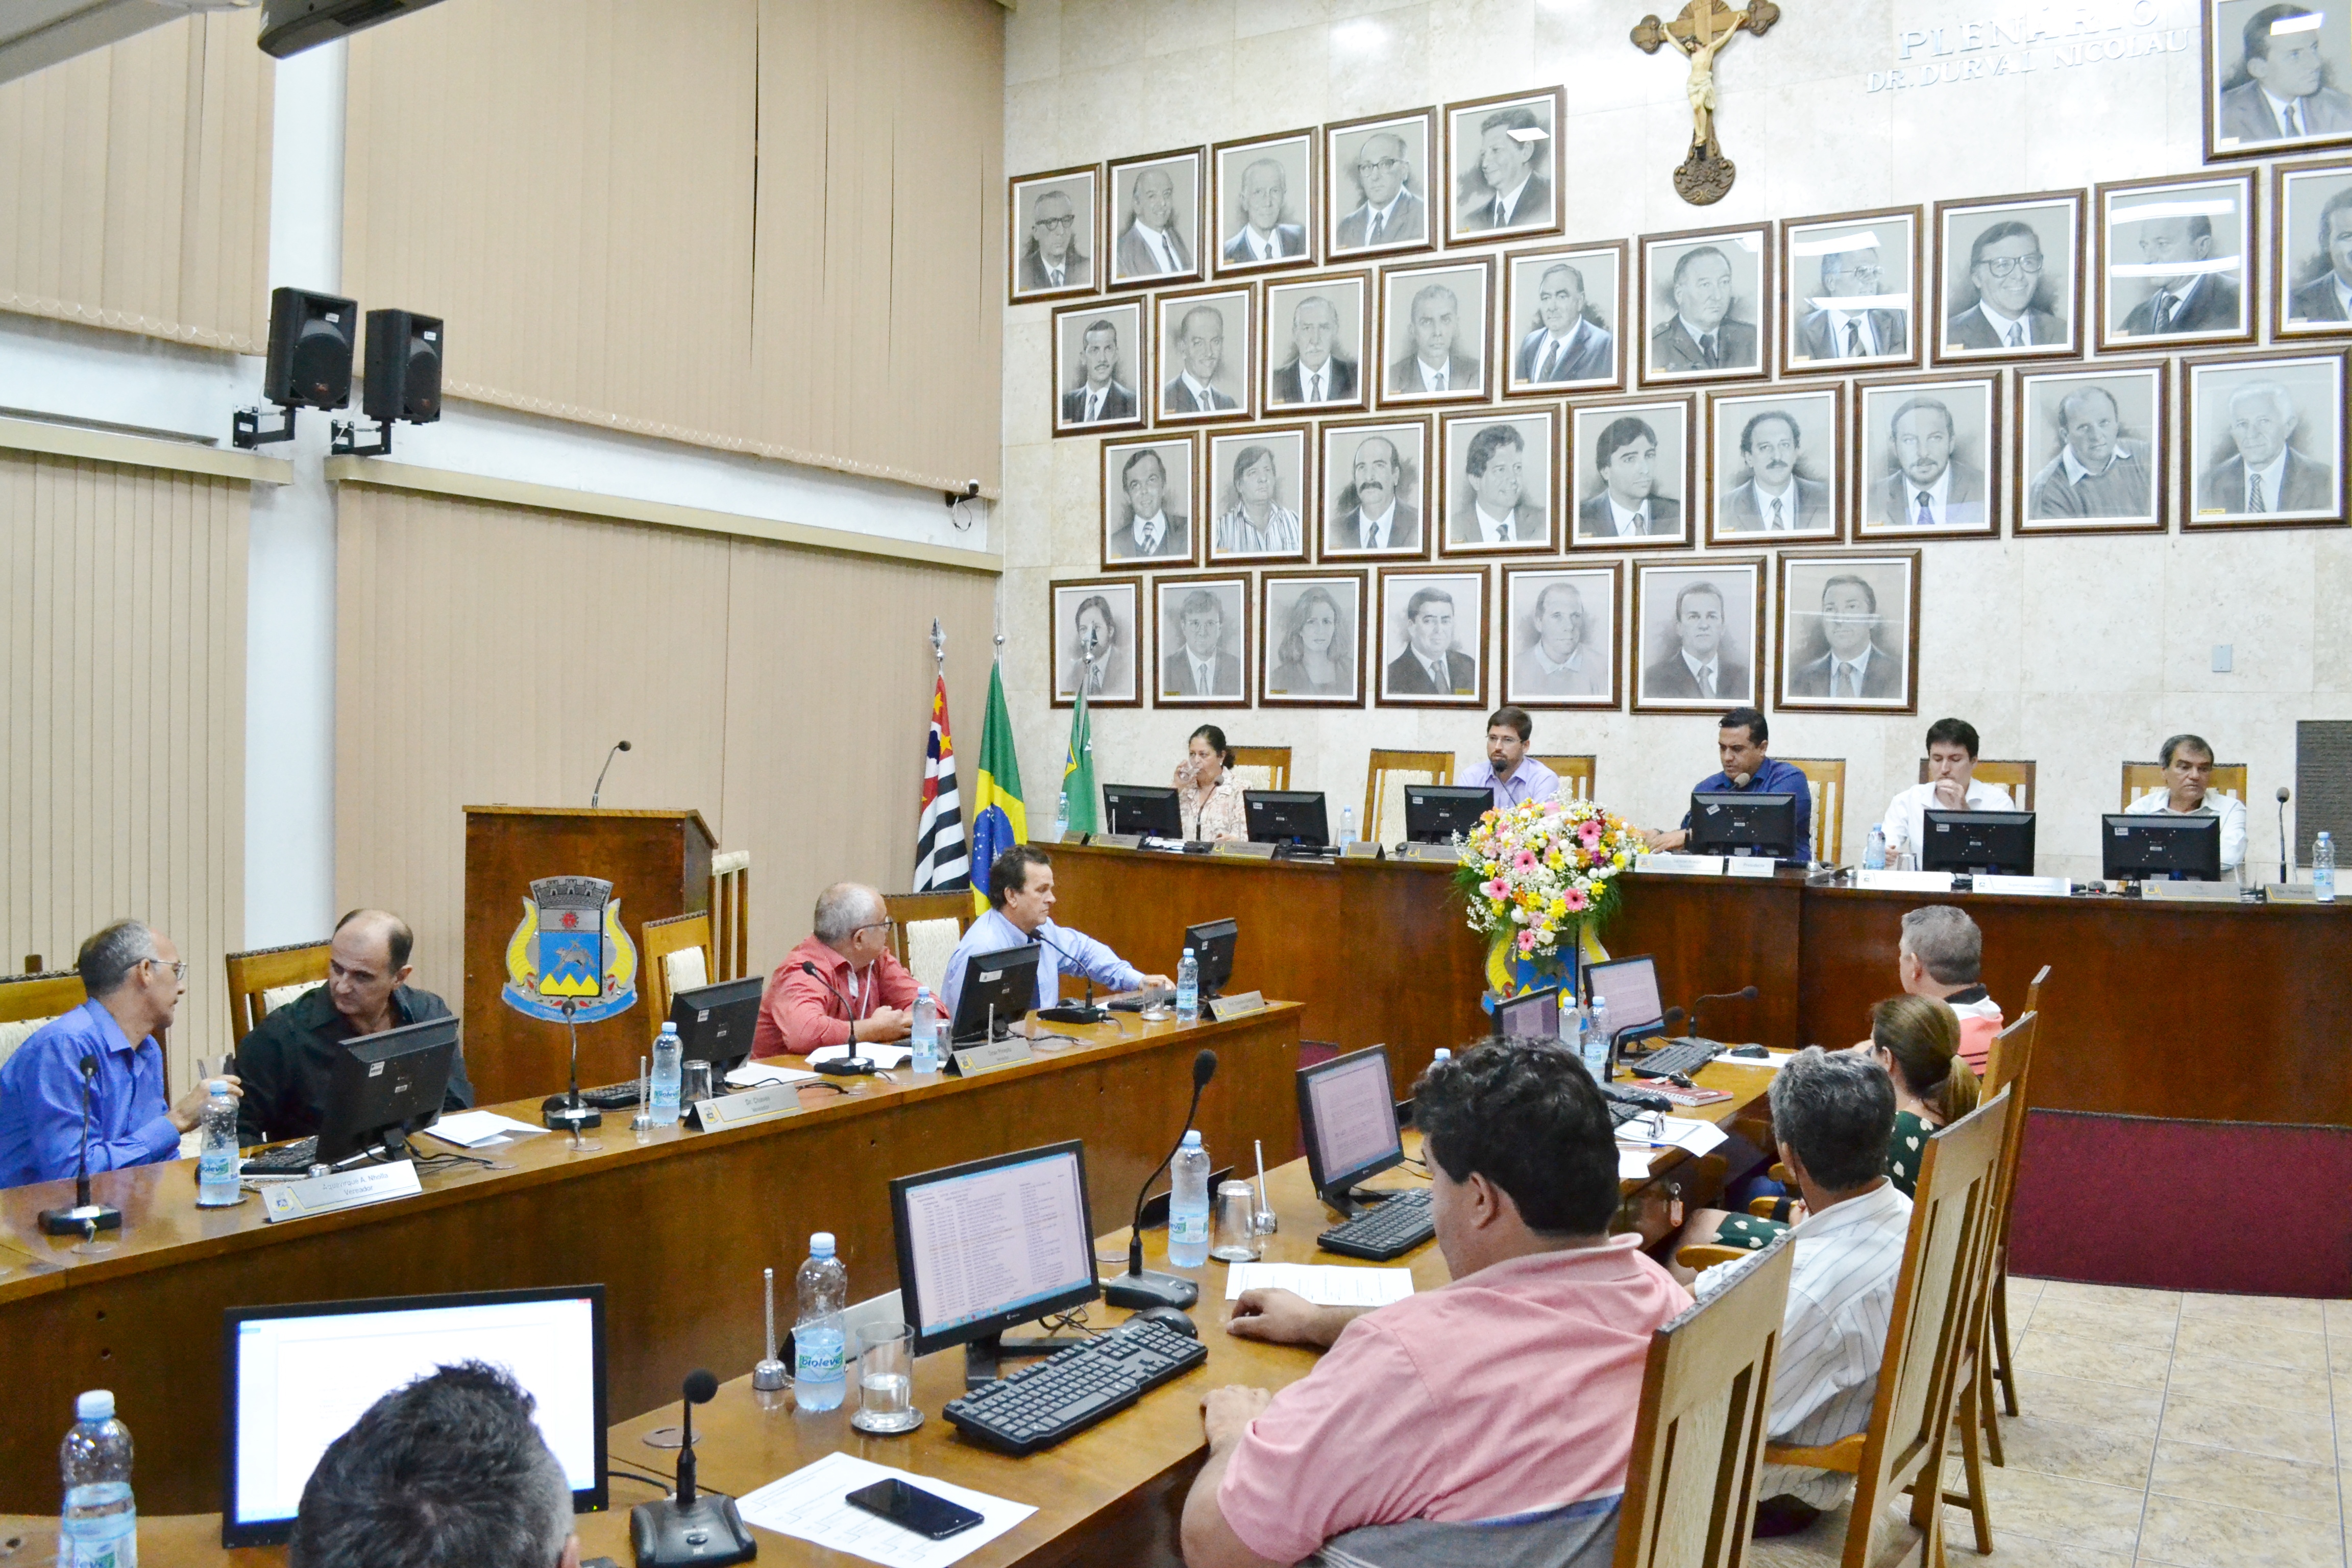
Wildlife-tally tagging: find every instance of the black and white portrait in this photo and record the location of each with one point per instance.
(1775, 466)
(1147, 501)
(1202, 643)
(1057, 234)
(1155, 217)
(2008, 276)
(1698, 634)
(1629, 473)
(1505, 164)
(2265, 440)
(1563, 308)
(1264, 202)
(1204, 358)
(1378, 172)
(2178, 263)
(1852, 286)
(1559, 636)
(1315, 333)
(2278, 77)
(1098, 641)
(1433, 332)
(2091, 449)
(1099, 368)
(2312, 248)
(1433, 638)
(1929, 457)
(1496, 488)
(1849, 633)
(1375, 488)
(1260, 492)
(1706, 303)
(1311, 625)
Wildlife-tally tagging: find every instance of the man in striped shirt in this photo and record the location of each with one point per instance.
(1832, 1117)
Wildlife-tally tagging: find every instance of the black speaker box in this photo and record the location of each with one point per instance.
(403, 367)
(310, 341)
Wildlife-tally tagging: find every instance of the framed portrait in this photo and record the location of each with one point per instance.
(1266, 213)
(1776, 466)
(1377, 171)
(1100, 367)
(1316, 331)
(1629, 473)
(1098, 641)
(1432, 645)
(2178, 263)
(1852, 282)
(2311, 254)
(1206, 352)
(2009, 278)
(1375, 489)
(2278, 77)
(1698, 634)
(1147, 502)
(1560, 636)
(1433, 337)
(1055, 226)
(1155, 218)
(1849, 639)
(1260, 488)
(2263, 441)
(1202, 645)
(1564, 308)
(1706, 304)
(1505, 165)
(1312, 651)
(1496, 488)
(1927, 457)
(2091, 450)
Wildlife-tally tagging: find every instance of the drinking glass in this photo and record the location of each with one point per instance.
(694, 1087)
(886, 1379)
(1235, 1236)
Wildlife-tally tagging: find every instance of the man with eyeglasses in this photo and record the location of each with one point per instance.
(859, 992)
(1390, 214)
(2005, 269)
(134, 977)
(1052, 259)
(1834, 331)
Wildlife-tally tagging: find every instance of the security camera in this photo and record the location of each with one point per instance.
(971, 490)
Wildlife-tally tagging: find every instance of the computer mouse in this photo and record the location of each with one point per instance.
(1168, 1317)
(1752, 1052)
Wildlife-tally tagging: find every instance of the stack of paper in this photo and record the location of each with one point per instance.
(1325, 1284)
(751, 1075)
(880, 1056)
(474, 1128)
(807, 1505)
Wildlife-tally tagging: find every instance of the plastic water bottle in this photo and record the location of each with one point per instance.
(1062, 817)
(669, 1065)
(2322, 869)
(1596, 1038)
(925, 1041)
(100, 1524)
(823, 1283)
(1442, 1054)
(1346, 825)
(1188, 989)
(216, 1186)
(1188, 1204)
(1874, 854)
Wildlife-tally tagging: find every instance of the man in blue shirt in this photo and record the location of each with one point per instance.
(134, 977)
(1745, 769)
(1020, 911)
(1515, 777)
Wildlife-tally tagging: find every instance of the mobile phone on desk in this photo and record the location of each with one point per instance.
(933, 1518)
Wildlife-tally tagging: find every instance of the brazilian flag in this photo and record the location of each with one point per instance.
(999, 820)
(1079, 768)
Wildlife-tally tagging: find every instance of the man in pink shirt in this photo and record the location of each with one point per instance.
(859, 992)
(1941, 954)
(1490, 1420)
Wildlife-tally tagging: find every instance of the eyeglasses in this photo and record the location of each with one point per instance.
(2002, 266)
(1871, 273)
(1379, 165)
(178, 966)
(1060, 223)
(871, 925)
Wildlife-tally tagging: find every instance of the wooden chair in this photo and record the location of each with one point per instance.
(730, 914)
(2010, 1065)
(1690, 1484)
(1575, 771)
(1384, 786)
(2015, 777)
(922, 934)
(675, 956)
(267, 978)
(1825, 776)
(2148, 778)
(1261, 767)
(30, 1000)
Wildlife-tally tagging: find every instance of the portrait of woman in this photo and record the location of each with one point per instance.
(1260, 479)
(1314, 634)
(1208, 794)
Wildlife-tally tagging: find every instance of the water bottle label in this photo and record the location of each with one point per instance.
(817, 1357)
(106, 1552)
(1191, 1227)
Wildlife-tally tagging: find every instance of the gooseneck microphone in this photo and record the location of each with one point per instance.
(1745, 994)
(2283, 843)
(689, 1529)
(598, 793)
(1140, 1287)
(1064, 1011)
(84, 1215)
(853, 1065)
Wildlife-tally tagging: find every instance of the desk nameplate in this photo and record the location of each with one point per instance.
(1905, 882)
(1361, 850)
(745, 1107)
(344, 1190)
(1750, 866)
(2190, 892)
(1118, 841)
(2290, 893)
(1246, 851)
(1679, 865)
(1240, 1005)
(971, 1059)
(1437, 853)
(2032, 887)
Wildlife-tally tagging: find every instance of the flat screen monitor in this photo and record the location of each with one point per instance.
(1286, 816)
(1147, 809)
(1213, 943)
(1004, 980)
(1744, 822)
(381, 1085)
(297, 1377)
(1996, 842)
(715, 1022)
(993, 1243)
(1348, 1117)
(1629, 988)
(1529, 1015)
(2177, 848)
(1433, 814)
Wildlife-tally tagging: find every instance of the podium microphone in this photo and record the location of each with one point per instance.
(1745, 994)
(853, 1065)
(1064, 1011)
(598, 793)
(85, 1215)
(689, 1529)
(2283, 843)
(1140, 1287)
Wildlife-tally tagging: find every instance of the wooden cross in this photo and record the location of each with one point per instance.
(1701, 30)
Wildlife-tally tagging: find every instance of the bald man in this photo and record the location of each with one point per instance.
(841, 984)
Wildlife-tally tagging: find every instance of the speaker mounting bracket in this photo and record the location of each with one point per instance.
(246, 429)
(346, 440)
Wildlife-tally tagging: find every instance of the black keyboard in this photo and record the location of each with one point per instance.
(1070, 1390)
(1627, 1100)
(612, 1096)
(293, 1159)
(1682, 1056)
(1391, 1230)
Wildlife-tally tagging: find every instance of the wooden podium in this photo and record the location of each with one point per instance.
(659, 865)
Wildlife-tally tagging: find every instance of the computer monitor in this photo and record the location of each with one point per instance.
(1999, 843)
(2160, 849)
(1147, 809)
(1286, 816)
(715, 1022)
(1004, 980)
(989, 1244)
(1213, 943)
(1349, 1120)
(1530, 1013)
(1629, 988)
(385, 1086)
(1433, 814)
(1745, 821)
(297, 1377)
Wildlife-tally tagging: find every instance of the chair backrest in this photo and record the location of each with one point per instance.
(924, 931)
(29, 1001)
(1825, 776)
(2143, 779)
(1384, 787)
(2012, 1059)
(1690, 1484)
(675, 953)
(2014, 776)
(1261, 767)
(2033, 990)
(267, 978)
(730, 914)
(1575, 770)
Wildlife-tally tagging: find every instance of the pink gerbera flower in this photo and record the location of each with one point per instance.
(1527, 942)
(1499, 889)
(1524, 860)
(1575, 899)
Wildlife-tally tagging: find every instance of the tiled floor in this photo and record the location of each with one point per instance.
(2170, 1428)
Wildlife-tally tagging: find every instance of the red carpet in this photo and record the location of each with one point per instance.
(2243, 1208)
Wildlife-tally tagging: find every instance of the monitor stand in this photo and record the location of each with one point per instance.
(982, 1357)
(1352, 1202)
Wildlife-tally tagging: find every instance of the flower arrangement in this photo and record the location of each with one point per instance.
(1538, 875)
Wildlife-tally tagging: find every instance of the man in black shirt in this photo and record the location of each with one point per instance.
(287, 1061)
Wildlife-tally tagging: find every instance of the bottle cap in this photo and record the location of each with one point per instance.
(217, 1086)
(922, 992)
(98, 1405)
(1188, 953)
(1443, 1054)
(1191, 1138)
(668, 1027)
(820, 1244)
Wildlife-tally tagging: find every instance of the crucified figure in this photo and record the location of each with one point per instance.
(1700, 31)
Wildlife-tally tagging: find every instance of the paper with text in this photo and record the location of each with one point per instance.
(808, 1505)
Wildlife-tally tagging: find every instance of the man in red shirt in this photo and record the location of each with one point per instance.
(859, 993)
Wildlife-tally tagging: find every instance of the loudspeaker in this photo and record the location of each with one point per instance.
(403, 367)
(310, 340)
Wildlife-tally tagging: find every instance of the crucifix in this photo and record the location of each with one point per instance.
(1703, 28)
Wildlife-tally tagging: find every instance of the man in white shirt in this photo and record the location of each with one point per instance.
(1377, 521)
(1392, 214)
(1515, 777)
(1564, 345)
(2188, 780)
(1201, 349)
(1562, 663)
(1202, 668)
(2266, 474)
(1099, 396)
(1318, 374)
(1152, 531)
(1930, 487)
(1433, 367)
(1151, 247)
(1858, 331)
(1499, 509)
(1951, 786)
(1629, 505)
(1508, 191)
(2005, 269)
(1263, 236)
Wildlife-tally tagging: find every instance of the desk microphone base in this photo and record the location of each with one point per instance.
(708, 1530)
(1072, 1014)
(1151, 1288)
(562, 1115)
(80, 1218)
(844, 1067)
